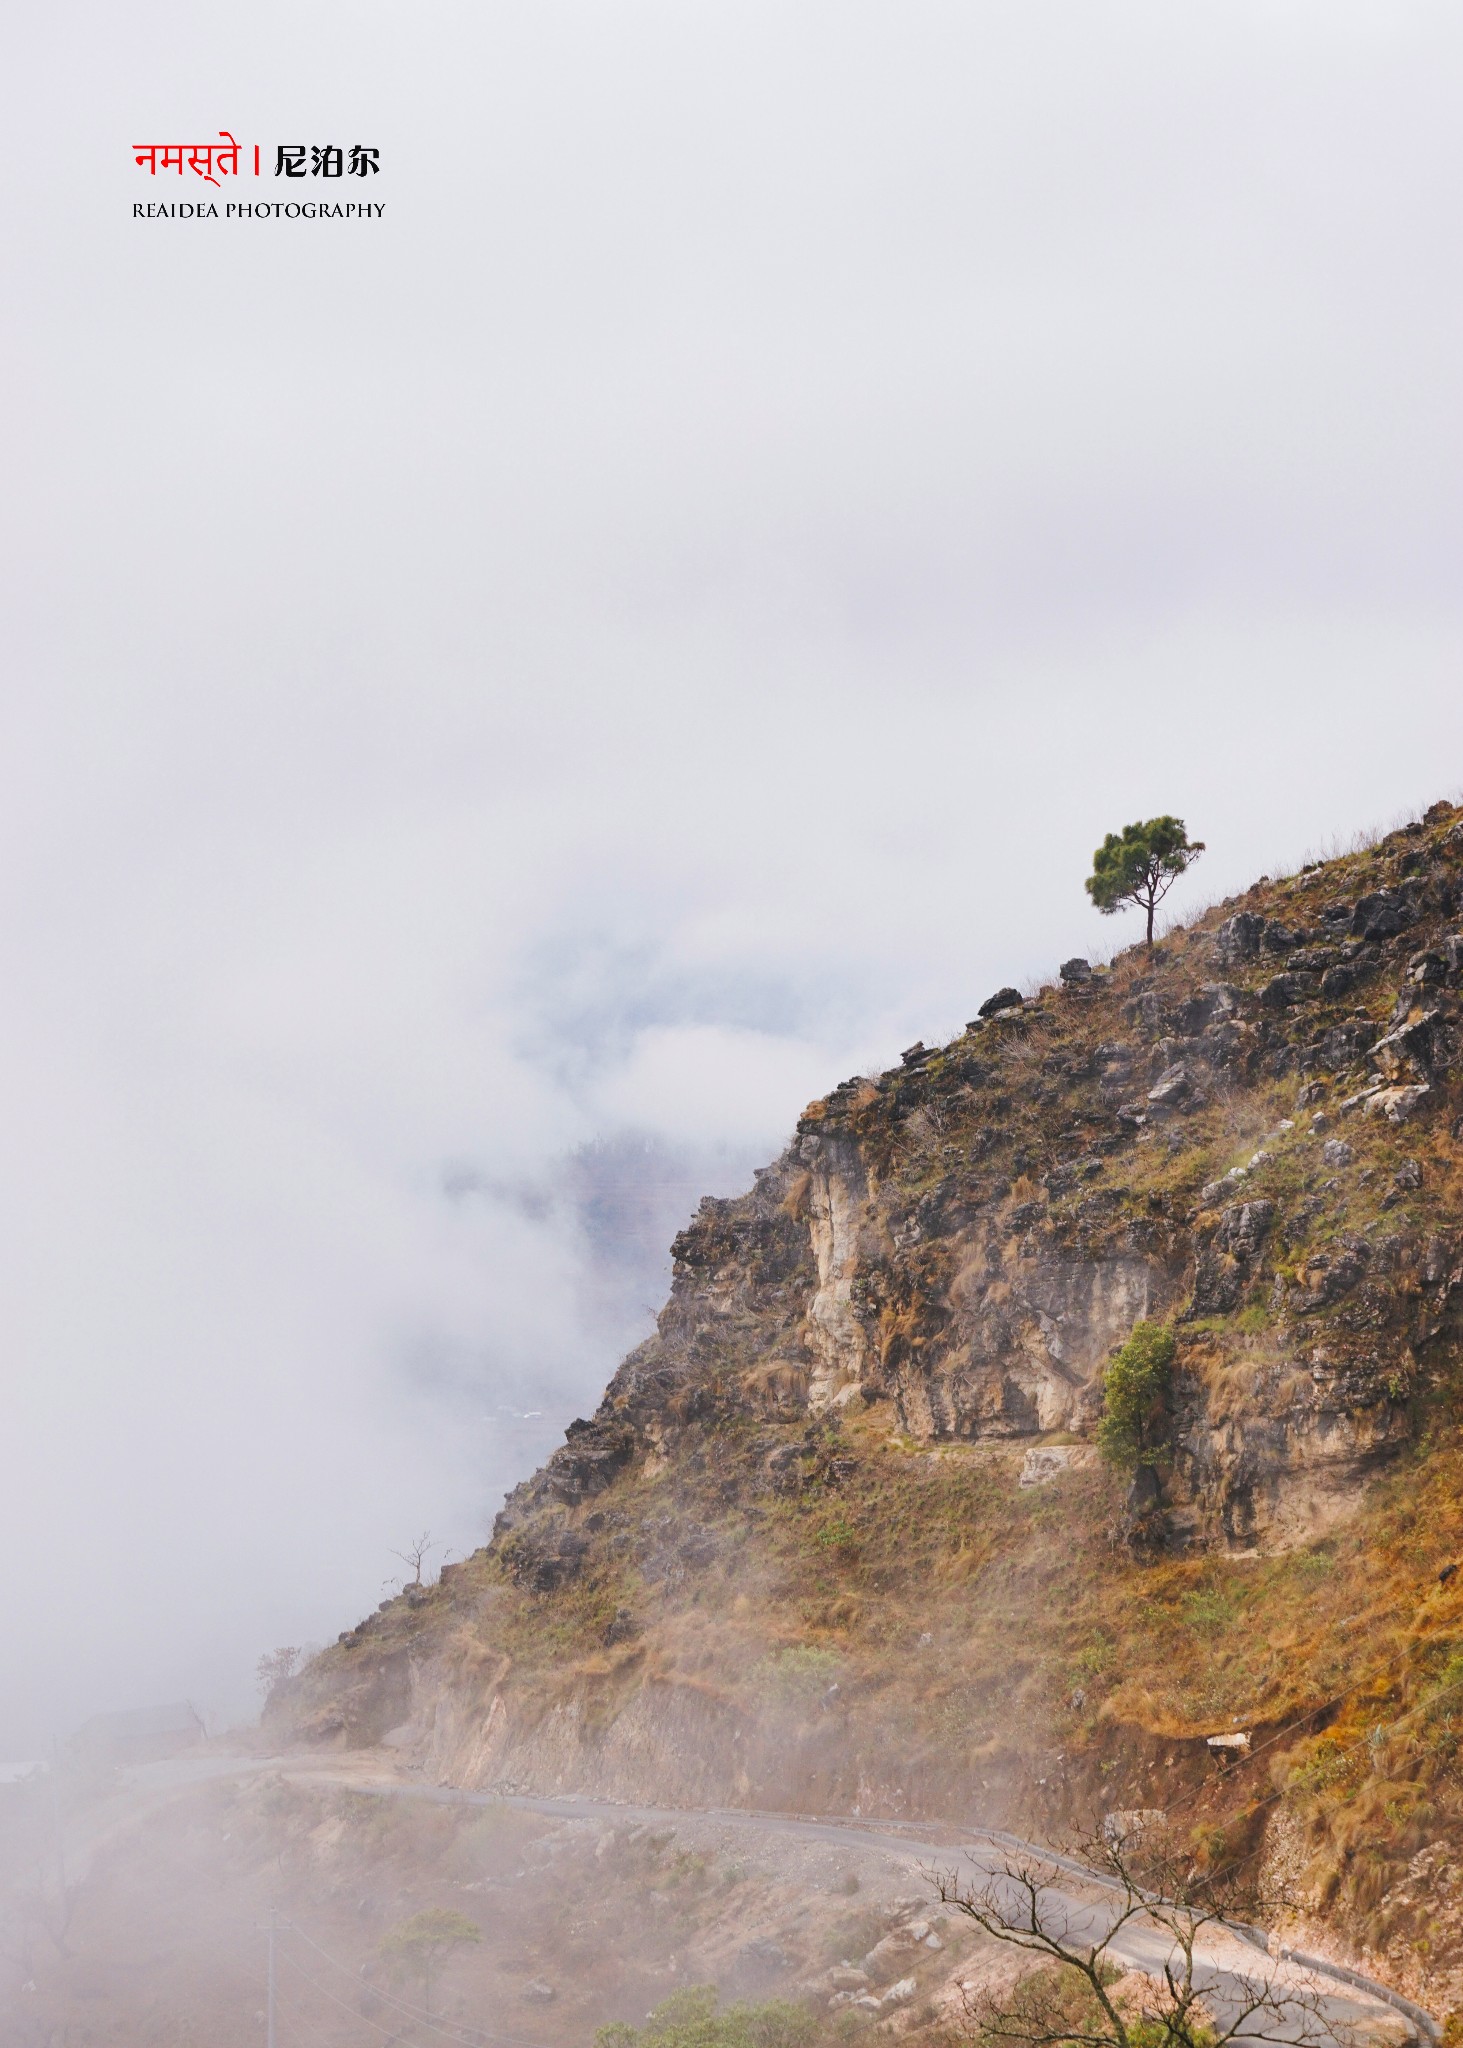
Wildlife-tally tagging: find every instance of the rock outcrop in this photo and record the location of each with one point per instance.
(880, 1372)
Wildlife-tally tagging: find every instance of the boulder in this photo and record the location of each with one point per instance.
(896, 1944)
(543, 1559)
(1238, 939)
(1075, 971)
(844, 1977)
(1343, 1045)
(588, 1459)
(901, 1993)
(1412, 1049)
(1281, 990)
(1003, 999)
(1336, 1152)
(1173, 1088)
(1427, 970)
(1381, 915)
(1397, 1104)
(1338, 981)
(1243, 1228)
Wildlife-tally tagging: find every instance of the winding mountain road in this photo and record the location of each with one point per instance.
(1314, 2008)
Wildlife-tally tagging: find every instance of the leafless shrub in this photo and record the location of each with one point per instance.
(1133, 1899)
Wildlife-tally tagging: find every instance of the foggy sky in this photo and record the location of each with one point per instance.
(648, 628)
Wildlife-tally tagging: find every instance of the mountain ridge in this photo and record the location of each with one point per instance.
(838, 1535)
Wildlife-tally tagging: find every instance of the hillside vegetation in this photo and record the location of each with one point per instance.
(841, 1536)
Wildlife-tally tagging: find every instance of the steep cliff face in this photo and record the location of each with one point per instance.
(1224, 1135)
(801, 1552)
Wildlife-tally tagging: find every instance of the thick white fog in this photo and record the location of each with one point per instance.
(505, 702)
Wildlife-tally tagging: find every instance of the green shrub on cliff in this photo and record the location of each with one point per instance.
(1134, 1426)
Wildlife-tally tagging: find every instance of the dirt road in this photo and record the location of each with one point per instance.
(1315, 2009)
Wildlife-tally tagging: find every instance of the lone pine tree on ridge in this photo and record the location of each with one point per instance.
(1140, 865)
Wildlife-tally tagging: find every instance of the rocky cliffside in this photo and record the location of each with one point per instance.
(836, 1533)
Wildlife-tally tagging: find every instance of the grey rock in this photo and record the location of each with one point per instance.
(1238, 939)
(1329, 1274)
(1003, 999)
(1222, 1265)
(543, 1559)
(1412, 1049)
(1281, 990)
(1173, 1086)
(1398, 1104)
(537, 1991)
(588, 1460)
(1408, 1177)
(1338, 981)
(1344, 1044)
(1075, 970)
(1336, 1152)
(1381, 915)
(1243, 1228)
(1427, 970)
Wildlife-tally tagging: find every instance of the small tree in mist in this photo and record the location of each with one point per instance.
(417, 1949)
(1140, 865)
(1151, 1883)
(275, 1667)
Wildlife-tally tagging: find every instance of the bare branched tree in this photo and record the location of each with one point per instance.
(416, 1554)
(1140, 1902)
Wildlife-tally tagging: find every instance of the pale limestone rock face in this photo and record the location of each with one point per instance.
(1032, 1339)
(1046, 1462)
(835, 1334)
